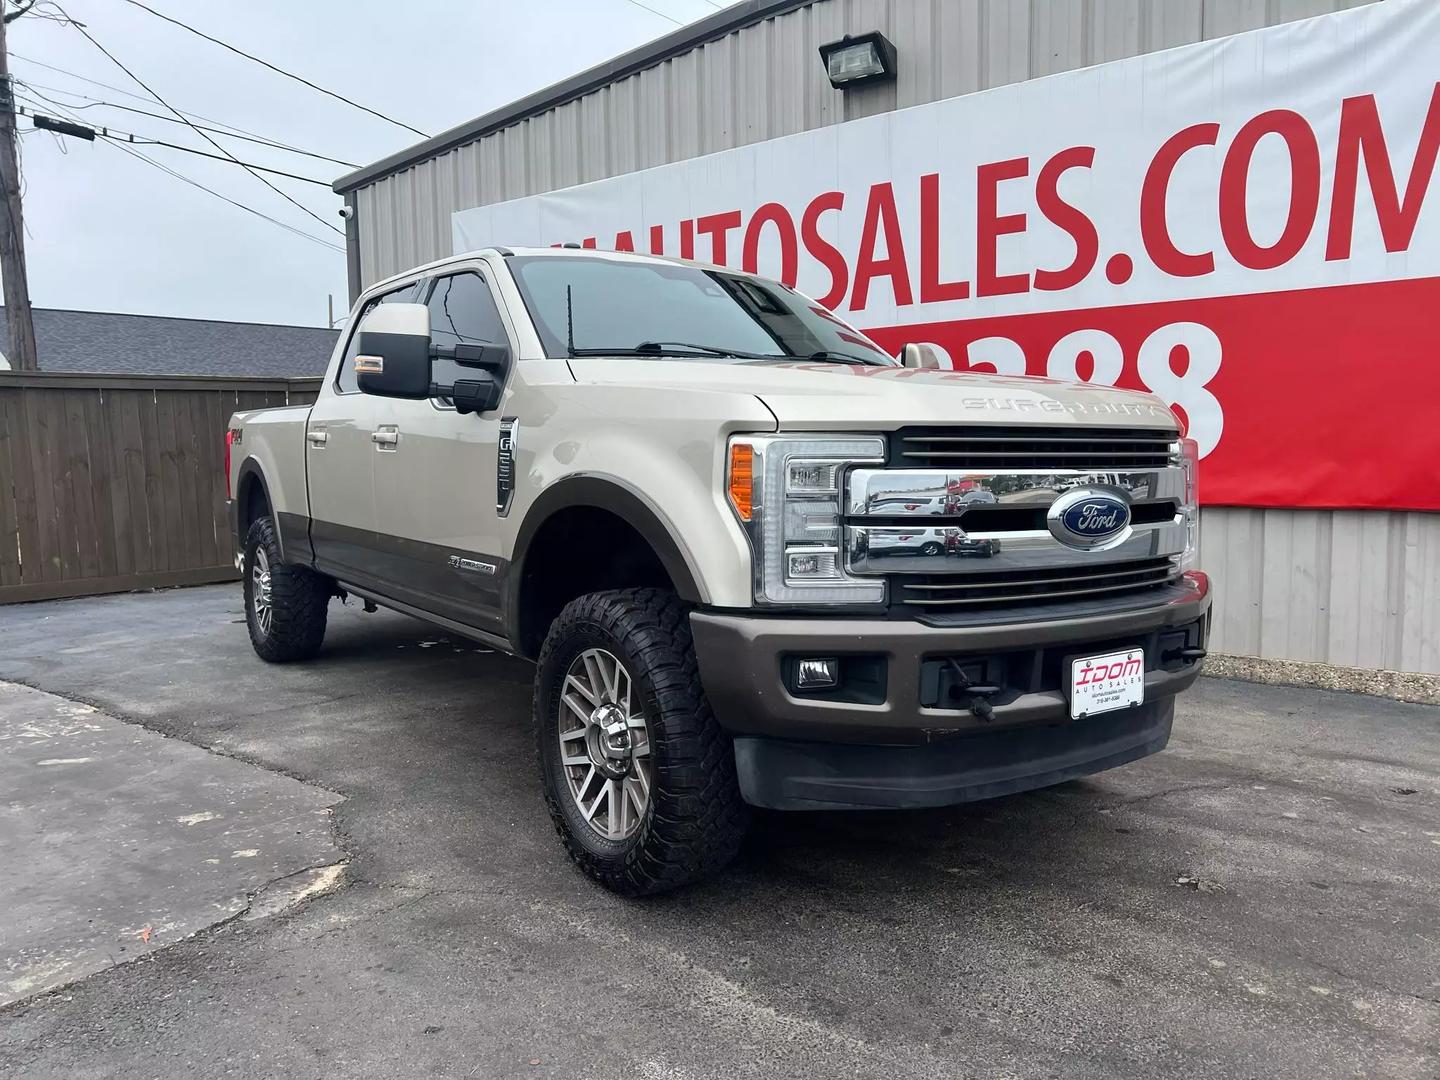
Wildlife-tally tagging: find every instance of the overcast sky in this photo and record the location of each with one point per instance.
(106, 232)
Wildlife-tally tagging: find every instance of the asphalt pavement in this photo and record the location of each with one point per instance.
(1260, 900)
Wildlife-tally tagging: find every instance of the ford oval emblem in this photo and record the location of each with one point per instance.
(1090, 518)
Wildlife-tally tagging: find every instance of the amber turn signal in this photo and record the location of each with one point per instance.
(742, 479)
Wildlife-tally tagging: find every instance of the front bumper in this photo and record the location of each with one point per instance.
(1027, 735)
(784, 774)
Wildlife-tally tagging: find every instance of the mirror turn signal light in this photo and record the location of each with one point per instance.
(741, 479)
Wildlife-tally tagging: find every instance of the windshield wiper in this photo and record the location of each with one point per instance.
(668, 348)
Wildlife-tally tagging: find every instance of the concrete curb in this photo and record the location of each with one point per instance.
(1400, 685)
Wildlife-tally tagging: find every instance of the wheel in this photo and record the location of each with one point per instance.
(638, 775)
(285, 604)
(931, 547)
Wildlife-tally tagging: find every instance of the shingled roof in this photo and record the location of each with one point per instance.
(104, 341)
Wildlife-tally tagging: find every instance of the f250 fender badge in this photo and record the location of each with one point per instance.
(1090, 518)
(475, 566)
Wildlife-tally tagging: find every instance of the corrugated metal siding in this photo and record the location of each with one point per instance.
(1345, 587)
(765, 81)
(1353, 587)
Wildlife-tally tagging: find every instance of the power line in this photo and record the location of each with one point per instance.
(120, 91)
(142, 140)
(223, 198)
(643, 7)
(139, 82)
(259, 139)
(277, 70)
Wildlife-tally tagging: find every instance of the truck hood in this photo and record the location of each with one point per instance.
(829, 396)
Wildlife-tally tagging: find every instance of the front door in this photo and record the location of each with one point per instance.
(435, 485)
(340, 449)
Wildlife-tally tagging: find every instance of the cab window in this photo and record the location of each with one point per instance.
(462, 312)
(345, 380)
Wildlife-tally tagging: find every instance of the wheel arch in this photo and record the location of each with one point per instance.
(569, 499)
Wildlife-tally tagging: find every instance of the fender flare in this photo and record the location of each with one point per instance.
(603, 492)
(251, 471)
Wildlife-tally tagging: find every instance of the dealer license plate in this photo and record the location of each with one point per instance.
(1101, 684)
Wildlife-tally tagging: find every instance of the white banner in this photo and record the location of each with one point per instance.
(1283, 161)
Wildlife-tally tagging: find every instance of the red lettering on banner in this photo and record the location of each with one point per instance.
(718, 227)
(590, 242)
(932, 289)
(1362, 136)
(657, 239)
(821, 250)
(624, 241)
(687, 239)
(1154, 229)
(1304, 189)
(991, 225)
(881, 214)
(1074, 221)
(772, 214)
(1197, 355)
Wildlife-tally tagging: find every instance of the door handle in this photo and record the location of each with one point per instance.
(386, 438)
(318, 438)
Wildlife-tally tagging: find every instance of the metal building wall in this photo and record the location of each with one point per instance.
(1343, 587)
(765, 81)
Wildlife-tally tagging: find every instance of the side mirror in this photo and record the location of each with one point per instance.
(919, 355)
(475, 395)
(394, 355)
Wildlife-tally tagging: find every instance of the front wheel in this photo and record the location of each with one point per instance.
(285, 604)
(639, 776)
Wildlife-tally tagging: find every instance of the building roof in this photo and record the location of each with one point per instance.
(688, 37)
(107, 341)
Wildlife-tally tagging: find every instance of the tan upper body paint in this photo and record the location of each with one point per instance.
(658, 428)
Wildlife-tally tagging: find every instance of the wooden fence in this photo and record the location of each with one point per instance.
(111, 483)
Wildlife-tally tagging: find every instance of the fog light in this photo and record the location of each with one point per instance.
(817, 673)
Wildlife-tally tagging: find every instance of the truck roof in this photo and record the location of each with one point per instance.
(571, 252)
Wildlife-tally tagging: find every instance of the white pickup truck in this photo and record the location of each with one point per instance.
(757, 562)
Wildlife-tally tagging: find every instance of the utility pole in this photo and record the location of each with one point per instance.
(21, 353)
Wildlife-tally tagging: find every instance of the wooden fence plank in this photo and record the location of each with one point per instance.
(131, 452)
(45, 410)
(156, 497)
(11, 441)
(117, 556)
(79, 516)
(170, 457)
(14, 413)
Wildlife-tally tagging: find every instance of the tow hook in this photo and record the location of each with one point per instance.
(1190, 654)
(979, 693)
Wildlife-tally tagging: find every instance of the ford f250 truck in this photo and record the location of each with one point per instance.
(755, 559)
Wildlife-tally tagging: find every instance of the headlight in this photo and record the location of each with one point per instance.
(786, 491)
(1190, 464)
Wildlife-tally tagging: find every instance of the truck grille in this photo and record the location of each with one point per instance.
(996, 448)
(1039, 586)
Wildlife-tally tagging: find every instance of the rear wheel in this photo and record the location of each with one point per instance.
(285, 605)
(639, 777)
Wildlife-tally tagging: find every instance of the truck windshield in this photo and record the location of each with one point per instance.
(631, 307)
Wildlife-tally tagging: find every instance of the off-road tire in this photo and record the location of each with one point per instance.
(696, 820)
(299, 601)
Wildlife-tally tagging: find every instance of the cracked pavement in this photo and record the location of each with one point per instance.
(1048, 934)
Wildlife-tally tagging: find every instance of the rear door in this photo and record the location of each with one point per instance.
(339, 457)
(435, 486)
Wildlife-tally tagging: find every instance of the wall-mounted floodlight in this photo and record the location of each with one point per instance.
(854, 61)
